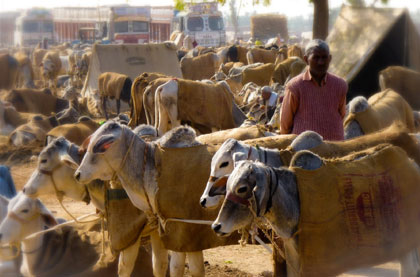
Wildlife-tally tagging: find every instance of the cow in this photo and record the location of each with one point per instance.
(10, 68)
(34, 132)
(403, 80)
(66, 251)
(74, 132)
(258, 55)
(26, 73)
(37, 57)
(117, 158)
(34, 101)
(287, 69)
(260, 75)
(208, 105)
(138, 114)
(378, 112)
(255, 190)
(237, 53)
(200, 67)
(10, 119)
(114, 85)
(50, 68)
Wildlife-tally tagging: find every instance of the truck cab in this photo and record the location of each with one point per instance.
(35, 25)
(203, 22)
(129, 24)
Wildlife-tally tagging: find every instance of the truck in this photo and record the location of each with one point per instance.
(203, 21)
(129, 24)
(7, 28)
(33, 26)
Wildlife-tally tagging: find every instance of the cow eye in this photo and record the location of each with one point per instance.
(25, 211)
(225, 164)
(242, 190)
(43, 161)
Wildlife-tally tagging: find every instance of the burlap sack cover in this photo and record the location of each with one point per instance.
(277, 142)
(28, 100)
(198, 68)
(76, 251)
(394, 135)
(125, 222)
(110, 84)
(260, 75)
(241, 133)
(181, 179)
(384, 108)
(205, 104)
(357, 213)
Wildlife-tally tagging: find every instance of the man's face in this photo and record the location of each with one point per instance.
(318, 61)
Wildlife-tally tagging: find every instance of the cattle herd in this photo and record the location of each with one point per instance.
(198, 162)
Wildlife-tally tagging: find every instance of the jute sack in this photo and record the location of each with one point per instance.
(125, 222)
(358, 211)
(110, 84)
(205, 104)
(241, 133)
(384, 108)
(182, 177)
(76, 251)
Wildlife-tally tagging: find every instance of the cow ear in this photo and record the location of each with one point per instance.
(46, 215)
(259, 191)
(237, 157)
(68, 161)
(219, 187)
(103, 144)
(307, 160)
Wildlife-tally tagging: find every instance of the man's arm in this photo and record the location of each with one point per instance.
(342, 105)
(288, 111)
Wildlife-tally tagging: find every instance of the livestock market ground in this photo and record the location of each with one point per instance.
(251, 260)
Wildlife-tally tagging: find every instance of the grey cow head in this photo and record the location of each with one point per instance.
(247, 188)
(56, 167)
(104, 154)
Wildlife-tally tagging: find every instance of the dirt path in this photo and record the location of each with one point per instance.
(251, 260)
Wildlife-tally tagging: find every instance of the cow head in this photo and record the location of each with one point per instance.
(56, 166)
(104, 153)
(248, 181)
(25, 216)
(221, 166)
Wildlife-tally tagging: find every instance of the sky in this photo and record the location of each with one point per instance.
(287, 7)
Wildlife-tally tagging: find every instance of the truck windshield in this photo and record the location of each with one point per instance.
(31, 26)
(215, 23)
(121, 27)
(140, 26)
(47, 26)
(195, 24)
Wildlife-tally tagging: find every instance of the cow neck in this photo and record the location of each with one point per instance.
(31, 250)
(131, 173)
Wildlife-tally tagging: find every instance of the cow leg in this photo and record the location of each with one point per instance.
(196, 263)
(159, 255)
(103, 100)
(118, 106)
(249, 57)
(127, 259)
(410, 264)
(177, 265)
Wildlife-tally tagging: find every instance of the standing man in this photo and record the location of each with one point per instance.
(315, 100)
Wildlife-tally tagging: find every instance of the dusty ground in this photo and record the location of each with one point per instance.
(252, 260)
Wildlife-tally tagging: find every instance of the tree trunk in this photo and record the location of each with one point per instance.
(320, 24)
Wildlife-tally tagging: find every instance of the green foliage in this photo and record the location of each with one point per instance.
(180, 4)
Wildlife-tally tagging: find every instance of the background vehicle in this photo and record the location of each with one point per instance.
(204, 22)
(33, 26)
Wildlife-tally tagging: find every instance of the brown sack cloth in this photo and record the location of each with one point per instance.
(125, 222)
(384, 108)
(358, 211)
(241, 133)
(110, 84)
(205, 104)
(76, 251)
(260, 75)
(199, 68)
(182, 177)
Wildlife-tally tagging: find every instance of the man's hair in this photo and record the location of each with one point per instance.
(316, 44)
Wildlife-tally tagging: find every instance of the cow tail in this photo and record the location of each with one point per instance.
(157, 104)
(134, 114)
